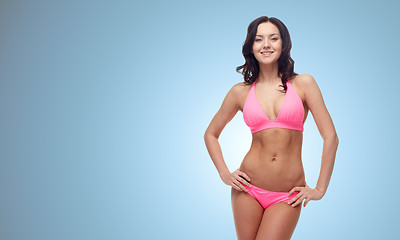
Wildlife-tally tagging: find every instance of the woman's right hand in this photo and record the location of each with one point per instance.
(233, 179)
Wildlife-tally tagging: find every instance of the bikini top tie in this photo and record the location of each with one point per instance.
(290, 115)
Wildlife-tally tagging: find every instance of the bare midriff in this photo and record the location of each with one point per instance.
(274, 160)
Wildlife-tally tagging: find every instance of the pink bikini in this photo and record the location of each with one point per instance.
(267, 198)
(290, 116)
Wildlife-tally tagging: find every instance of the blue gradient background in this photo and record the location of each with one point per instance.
(104, 105)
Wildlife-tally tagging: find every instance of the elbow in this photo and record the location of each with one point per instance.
(332, 138)
(207, 135)
(211, 133)
(335, 139)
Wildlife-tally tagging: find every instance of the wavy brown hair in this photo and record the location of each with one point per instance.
(251, 67)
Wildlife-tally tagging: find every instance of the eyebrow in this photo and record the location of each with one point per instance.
(269, 35)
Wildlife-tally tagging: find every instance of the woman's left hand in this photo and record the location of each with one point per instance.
(306, 193)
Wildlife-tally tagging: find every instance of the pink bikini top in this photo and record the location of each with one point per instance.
(290, 115)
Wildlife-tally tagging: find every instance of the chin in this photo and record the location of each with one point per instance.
(267, 63)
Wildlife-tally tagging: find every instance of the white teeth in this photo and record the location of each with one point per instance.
(266, 53)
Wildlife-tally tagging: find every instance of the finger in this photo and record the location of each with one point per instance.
(244, 181)
(240, 185)
(295, 189)
(245, 176)
(234, 182)
(236, 187)
(306, 201)
(298, 201)
(294, 198)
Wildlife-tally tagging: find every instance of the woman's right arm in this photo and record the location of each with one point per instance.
(230, 106)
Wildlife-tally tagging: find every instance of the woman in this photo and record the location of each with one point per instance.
(269, 187)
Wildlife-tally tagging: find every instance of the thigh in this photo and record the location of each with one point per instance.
(247, 213)
(279, 221)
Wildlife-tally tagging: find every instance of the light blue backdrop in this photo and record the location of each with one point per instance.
(104, 105)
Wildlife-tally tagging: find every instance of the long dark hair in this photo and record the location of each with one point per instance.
(251, 67)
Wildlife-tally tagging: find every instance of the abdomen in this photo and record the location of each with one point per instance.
(274, 160)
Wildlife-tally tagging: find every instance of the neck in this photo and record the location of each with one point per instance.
(269, 73)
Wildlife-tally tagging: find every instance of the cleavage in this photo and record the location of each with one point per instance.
(270, 101)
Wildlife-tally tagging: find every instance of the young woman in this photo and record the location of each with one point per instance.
(269, 187)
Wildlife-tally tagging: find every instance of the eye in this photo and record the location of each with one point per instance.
(274, 38)
(257, 40)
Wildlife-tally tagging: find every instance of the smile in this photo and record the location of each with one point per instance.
(266, 53)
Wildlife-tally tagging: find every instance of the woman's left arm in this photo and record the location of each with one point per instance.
(323, 120)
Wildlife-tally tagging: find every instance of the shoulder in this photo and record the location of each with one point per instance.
(240, 85)
(304, 83)
(239, 89)
(304, 80)
(237, 94)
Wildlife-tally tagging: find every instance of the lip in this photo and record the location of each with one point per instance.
(267, 52)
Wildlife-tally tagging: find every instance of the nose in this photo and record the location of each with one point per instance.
(266, 44)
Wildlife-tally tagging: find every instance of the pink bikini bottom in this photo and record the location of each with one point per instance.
(267, 198)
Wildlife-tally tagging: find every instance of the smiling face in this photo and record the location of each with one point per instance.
(267, 46)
